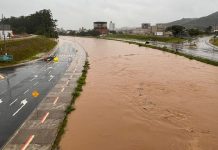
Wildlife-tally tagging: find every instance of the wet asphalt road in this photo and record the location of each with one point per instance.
(16, 100)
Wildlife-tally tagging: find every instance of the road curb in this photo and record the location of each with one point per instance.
(40, 129)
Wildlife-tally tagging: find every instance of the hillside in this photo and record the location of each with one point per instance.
(201, 23)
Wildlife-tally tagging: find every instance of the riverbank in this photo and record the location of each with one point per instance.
(146, 38)
(75, 94)
(165, 49)
(140, 98)
(25, 50)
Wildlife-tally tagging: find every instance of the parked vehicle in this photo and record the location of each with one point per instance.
(49, 58)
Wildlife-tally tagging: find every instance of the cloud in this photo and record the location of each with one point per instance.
(77, 13)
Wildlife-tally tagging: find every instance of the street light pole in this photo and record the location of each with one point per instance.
(3, 26)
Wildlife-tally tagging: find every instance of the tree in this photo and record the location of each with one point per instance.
(176, 30)
(208, 30)
(194, 32)
(41, 23)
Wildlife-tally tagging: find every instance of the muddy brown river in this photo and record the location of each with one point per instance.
(139, 98)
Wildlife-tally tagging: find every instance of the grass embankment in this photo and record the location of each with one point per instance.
(77, 91)
(145, 38)
(26, 49)
(214, 42)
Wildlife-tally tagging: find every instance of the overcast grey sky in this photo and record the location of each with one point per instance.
(73, 14)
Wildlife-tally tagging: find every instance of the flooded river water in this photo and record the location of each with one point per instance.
(138, 98)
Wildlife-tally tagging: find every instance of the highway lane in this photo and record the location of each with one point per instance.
(16, 99)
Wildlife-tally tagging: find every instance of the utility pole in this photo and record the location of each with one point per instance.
(3, 26)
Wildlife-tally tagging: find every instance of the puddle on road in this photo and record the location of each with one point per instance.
(141, 99)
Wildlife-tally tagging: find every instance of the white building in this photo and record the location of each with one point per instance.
(112, 26)
(5, 31)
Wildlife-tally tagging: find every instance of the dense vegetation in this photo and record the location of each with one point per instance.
(145, 38)
(92, 33)
(26, 49)
(180, 31)
(40, 23)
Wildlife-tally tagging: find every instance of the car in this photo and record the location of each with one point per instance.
(49, 58)
(147, 42)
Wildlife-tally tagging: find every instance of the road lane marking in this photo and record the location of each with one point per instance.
(74, 70)
(1, 101)
(67, 82)
(26, 91)
(63, 89)
(32, 79)
(36, 84)
(30, 139)
(23, 102)
(44, 117)
(51, 77)
(13, 102)
(55, 101)
(1, 77)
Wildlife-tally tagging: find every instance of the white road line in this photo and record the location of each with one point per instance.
(1, 101)
(26, 91)
(13, 102)
(67, 82)
(30, 139)
(63, 89)
(44, 118)
(32, 79)
(75, 69)
(55, 101)
(50, 79)
(36, 84)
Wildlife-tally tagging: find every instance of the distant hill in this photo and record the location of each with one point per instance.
(200, 23)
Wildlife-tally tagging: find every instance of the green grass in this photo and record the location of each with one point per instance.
(214, 42)
(145, 38)
(26, 49)
(77, 91)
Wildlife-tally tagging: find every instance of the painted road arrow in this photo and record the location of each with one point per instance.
(23, 103)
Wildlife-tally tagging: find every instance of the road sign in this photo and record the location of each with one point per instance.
(35, 94)
(6, 58)
(56, 59)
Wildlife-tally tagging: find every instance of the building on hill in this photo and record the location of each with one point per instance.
(215, 28)
(5, 31)
(101, 27)
(146, 25)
